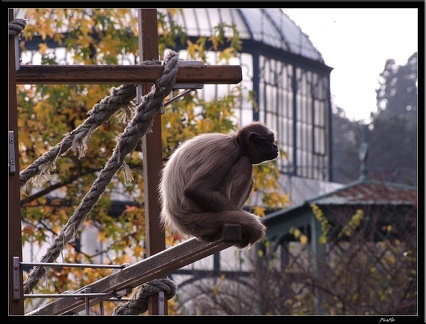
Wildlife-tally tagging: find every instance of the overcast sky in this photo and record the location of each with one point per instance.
(356, 43)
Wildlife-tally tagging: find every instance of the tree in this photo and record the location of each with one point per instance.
(346, 142)
(393, 135)
(47, 112)
(365, 264)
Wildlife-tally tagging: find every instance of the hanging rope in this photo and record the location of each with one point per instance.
(139, 302)
(138, 126)
(120, 97)
(16, 26)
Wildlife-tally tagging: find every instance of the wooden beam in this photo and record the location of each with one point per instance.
(156, 266)
(112, 74)
(152, 149)
(16, 294)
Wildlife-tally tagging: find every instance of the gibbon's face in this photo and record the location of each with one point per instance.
(263, 148)
(257, 142)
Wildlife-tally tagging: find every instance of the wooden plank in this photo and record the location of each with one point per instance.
(120, 74)
(156, 266)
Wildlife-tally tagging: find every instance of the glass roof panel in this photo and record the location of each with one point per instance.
(270, 26)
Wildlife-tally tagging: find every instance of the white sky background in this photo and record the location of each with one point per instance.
(356, 43)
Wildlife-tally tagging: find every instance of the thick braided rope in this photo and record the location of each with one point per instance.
(120, 97)
(139, 302)
(138, 126)
(16, 26)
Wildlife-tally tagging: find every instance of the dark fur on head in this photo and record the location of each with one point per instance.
(208, 179)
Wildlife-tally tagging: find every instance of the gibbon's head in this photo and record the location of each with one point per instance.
(257, 142)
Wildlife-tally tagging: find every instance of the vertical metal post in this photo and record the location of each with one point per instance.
(16, 295)
(101, 308)
(161, 303)
(152, 149)
(87, 300)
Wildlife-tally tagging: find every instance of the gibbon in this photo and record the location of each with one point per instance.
(207, 180)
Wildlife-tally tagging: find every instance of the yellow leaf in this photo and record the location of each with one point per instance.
(138, 250)
(260, 211)
(303, 239)
(102, 237)
(215, 42)
(25, 139)
(42, 48)
(296, 233)
(192, 48)
(226, 54)
(285, 200)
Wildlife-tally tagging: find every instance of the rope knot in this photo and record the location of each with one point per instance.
(16, 26)
(139, 302)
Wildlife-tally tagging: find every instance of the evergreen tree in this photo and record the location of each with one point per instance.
(392, 136)
(346, 142)
(393, 132)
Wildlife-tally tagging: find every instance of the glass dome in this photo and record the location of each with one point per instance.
(287, 74)
(270, 26)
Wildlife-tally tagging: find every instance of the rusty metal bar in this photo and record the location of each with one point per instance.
(66, 295)
(74, 265)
